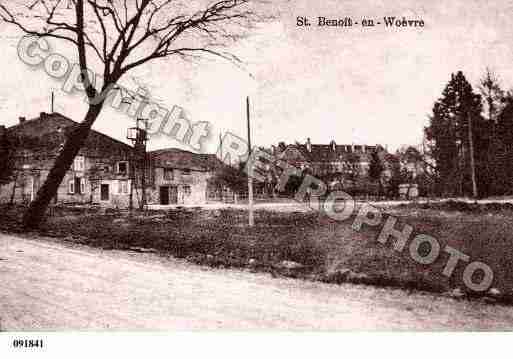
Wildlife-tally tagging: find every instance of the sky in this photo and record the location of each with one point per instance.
(351, 85)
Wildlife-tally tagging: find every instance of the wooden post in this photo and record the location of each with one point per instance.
(144, 163)
(250, 170)
(472, 162)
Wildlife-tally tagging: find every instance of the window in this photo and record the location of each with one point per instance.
(168, 174)
(187, 190)
(76, 186)
(123, 168)
(123, 187)
(79, 163)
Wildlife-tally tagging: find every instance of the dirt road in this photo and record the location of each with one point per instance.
(294, 206)
(50, 286)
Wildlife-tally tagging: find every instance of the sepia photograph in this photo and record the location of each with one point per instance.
(255, 165)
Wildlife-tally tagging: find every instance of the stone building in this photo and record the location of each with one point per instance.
(180, 177)
(104, 171)
(100, 173)
(328, 160)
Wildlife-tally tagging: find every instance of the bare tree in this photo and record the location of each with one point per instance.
(121, 35)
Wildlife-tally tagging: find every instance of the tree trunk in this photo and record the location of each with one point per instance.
(36, 211)
(11, 202)
(471, 154)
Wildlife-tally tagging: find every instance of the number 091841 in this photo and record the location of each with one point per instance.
(27, 343)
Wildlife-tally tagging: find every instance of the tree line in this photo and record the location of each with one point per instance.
(470, 138)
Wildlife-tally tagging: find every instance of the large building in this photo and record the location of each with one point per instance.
(100, 173)
(105, 171)
(325, 160)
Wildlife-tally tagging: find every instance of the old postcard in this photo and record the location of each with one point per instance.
(255, 165)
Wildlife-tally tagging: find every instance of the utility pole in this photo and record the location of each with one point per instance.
(143, 134)
(139, 137)
(472, 162)
(250, 170)
(53, 100)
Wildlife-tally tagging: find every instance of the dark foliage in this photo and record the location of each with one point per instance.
(448, 133)
(7, 158)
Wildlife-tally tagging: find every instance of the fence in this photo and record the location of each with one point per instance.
(227, 196)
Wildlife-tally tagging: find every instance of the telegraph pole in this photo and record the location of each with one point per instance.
(472, 162)
(250, 169)
(139, 137)
(143, 134)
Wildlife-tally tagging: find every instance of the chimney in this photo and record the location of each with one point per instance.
(364, 148)
(308, 145)
(22, 119)
(333, 145)
(273, 149)
(42, 115)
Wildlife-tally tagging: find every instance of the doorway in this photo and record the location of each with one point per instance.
(164, 195)
(104, 192)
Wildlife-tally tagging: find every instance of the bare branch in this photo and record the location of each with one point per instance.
(128, 33)
(56, 29)
(206, 22)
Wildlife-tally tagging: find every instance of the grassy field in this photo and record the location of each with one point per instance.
(305, 245)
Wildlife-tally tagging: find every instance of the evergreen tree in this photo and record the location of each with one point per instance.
(492, 94)
(500, 156)
(490, 154)
(448, 135)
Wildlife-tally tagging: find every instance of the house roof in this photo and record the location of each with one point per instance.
(181, 159)
(328, 153)
(54, 126)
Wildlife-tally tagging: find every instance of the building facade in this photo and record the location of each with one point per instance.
(329, 161)
(105, 172)
(100, 173)
(180, 177)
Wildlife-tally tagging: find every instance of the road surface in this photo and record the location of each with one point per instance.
(50, 286)
(294, 206)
